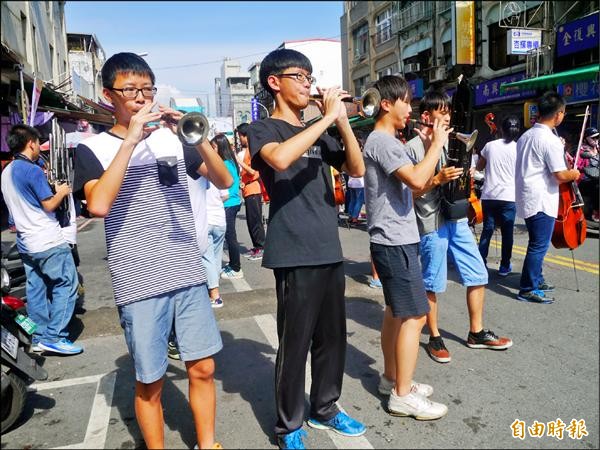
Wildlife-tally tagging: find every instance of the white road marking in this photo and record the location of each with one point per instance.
(268, 326)
(240, 284)
(97, 427)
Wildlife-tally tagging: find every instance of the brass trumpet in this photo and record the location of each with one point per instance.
(192, 128)
(467, 139)
(368, 103)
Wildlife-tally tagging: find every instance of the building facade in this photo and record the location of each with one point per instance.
(234, 92)
(432, 43)
(86, 58)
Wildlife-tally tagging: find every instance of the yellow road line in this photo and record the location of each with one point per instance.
(580, 265)
(566, 258)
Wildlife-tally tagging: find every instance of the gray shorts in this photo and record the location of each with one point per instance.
(400, 274)
(147, 324)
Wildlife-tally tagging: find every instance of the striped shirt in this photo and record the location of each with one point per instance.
(150, 230)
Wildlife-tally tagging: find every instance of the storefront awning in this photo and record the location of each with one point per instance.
(553, 79)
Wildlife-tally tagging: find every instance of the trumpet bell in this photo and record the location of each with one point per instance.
(467, 139)
(370, 102)
(192, 128)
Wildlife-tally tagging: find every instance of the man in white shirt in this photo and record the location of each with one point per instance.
(540, 169)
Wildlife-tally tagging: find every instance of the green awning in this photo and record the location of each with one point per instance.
(551, 80)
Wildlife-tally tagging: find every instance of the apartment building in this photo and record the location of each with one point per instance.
(86, 58)
(234, 92)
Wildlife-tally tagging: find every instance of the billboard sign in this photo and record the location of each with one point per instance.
(520, 41)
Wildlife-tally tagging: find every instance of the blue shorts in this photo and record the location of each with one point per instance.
(457, 240)
(147, 324)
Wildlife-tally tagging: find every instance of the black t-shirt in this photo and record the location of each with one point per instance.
(303, 227)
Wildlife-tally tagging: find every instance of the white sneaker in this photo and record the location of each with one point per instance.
(228, 273)
(386, 386)
(415, 405)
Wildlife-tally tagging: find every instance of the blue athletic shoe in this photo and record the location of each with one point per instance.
(535, 296)
(504, 271)
(341, 423)
(63, 347)
(292, 440)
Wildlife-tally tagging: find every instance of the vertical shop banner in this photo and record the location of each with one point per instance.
(463, 33)
(254, 109)
(38, 85)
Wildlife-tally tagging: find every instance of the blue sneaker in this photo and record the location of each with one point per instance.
(63, 347)
(341, 423)
(292, 440)
(504, 271)
(375, 283)
(535, 296)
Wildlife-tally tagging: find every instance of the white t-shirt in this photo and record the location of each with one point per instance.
(70, 231)
(540, 154)
(215, 210)
(198, 189)
(501, 159)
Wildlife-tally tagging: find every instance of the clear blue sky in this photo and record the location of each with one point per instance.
(200, 34)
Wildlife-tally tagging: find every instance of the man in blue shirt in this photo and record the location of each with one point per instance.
(49, 266)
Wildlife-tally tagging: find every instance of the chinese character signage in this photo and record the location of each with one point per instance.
(254, 109)
(489, 91)
(578, 35)
(579, 91)
(463, 33)
(520, 41)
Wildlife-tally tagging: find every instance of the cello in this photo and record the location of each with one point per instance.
(570, 228)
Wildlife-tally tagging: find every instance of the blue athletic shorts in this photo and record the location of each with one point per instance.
(147, 324)
(457, 240)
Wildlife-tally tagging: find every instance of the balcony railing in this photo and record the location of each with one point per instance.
(414, 14)
(539, 61)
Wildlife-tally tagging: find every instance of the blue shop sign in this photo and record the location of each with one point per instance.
(579, 91)
(489, 91)
(254, 114)
(578, 35)
(416, 86)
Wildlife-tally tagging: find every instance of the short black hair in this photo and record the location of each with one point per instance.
(279, 60)
(434, 100)
(124, 63)
(511, 127)
(19, 136)
(392, 88)
(549, 104)
(242, 129)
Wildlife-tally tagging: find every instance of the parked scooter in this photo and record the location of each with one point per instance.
(11, 261)
(18, 367)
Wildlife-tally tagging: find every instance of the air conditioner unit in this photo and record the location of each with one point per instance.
(437, 74)
(412, 67)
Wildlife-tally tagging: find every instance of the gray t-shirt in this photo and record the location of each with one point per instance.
(427, 206)
(390, 215)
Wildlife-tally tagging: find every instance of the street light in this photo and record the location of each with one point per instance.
(266, 110)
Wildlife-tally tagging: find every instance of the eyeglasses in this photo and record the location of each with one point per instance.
(299, 77)
(131, 92)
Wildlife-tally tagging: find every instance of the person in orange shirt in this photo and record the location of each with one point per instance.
(251, 191)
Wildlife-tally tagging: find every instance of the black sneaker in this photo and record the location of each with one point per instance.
(173, 351)
(546, 287)
(488, 339)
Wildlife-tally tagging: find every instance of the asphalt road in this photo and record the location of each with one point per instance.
(550, 373)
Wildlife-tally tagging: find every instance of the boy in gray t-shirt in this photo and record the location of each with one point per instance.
(389, 179)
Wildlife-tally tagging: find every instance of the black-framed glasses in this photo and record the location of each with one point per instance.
(131, 92)
(299, 77)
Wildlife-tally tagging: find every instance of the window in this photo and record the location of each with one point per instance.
(497, 41)
(34, 46)
(360, 85)
(361, 41)
(383, 22)
(24, 33)
(51, 49)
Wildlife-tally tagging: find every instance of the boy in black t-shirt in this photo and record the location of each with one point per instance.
(302, 243)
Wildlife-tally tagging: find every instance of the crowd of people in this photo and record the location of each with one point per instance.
(168, 209)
